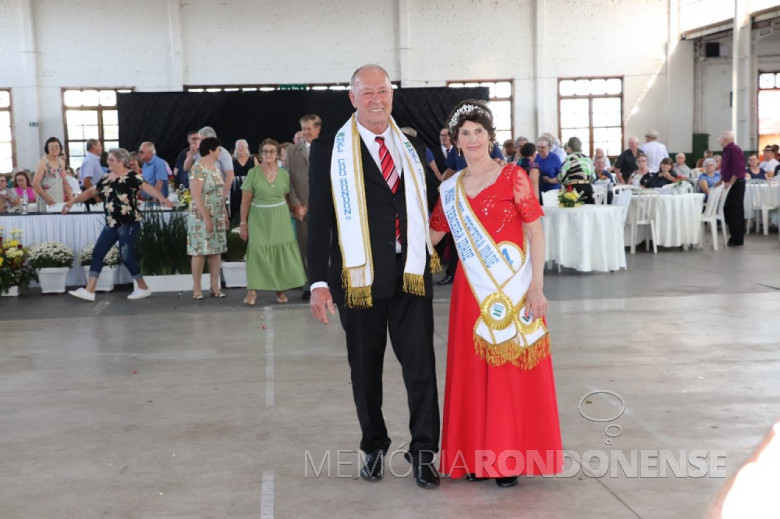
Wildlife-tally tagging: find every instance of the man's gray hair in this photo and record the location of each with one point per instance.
(91, 143)
(651, 134)
(353, 79)
(574, 144)
(206, 132)
(546, 138)
(148, 145)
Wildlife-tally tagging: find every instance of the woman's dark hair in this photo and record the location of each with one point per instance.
(666, 160)
(528, 150)
(471, 110)
(49, 141)
(208, 145)
(25, 175)
(272, 142)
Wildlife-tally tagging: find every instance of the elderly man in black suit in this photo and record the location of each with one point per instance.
(370, 254)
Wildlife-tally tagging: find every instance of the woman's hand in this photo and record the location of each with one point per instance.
(67, 206)
(243, 233)
(165, 202)
(536, 303)
(209, 224)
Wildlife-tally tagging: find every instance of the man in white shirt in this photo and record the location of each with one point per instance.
(770, 161)
(655, 151)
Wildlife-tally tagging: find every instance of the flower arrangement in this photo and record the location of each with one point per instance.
(568, 197)
(15, 270)
(51, 254)
(236, 247)
(185, 198)
(112, 258)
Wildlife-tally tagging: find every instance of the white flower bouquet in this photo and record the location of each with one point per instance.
(51, 254)
(112, 258)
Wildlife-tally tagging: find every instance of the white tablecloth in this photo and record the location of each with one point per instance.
(678, 222)
(586, 238)
(752, 199)
(74, 230)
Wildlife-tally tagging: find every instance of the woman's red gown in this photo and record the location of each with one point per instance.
(499, 421)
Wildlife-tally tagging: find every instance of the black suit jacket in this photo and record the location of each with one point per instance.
(439, 158)
(324, 252)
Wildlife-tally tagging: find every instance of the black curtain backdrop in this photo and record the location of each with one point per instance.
(164, 118)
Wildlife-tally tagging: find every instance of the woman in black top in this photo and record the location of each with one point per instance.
(243, 161)
(119, 190)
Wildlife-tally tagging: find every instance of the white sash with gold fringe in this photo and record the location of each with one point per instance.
(349, 198)
(499, 276)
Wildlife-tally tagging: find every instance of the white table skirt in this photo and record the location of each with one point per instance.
(74, 230)
(586, 238)
(752, 199)
(678, 222)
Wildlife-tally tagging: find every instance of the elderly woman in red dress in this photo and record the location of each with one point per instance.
(500, 410)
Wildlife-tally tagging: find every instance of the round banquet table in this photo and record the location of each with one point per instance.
(586, 238)
(678, 222)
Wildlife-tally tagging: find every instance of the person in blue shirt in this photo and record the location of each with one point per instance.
(456, 163)
(549, 165)
(155, 170)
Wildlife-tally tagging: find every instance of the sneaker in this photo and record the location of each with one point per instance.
(82, 293)
(139, 293)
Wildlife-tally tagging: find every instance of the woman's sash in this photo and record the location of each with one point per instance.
(499, 276)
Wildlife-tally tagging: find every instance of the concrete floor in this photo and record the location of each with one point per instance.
(172, 408)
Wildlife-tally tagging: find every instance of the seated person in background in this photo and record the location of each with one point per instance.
(770, 161)
(603, 176)
(718, 159)
(509, 150)
(700, 162)
(22, 185)
(599, 153)
(73, 181)
(709, 177)
(642, 175)
(680, 168)
(577, 171)
(526, 161)
(753, 170)
(549, 165)
(665, 175)
(8, 197)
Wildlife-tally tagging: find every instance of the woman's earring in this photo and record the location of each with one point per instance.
(460, 152)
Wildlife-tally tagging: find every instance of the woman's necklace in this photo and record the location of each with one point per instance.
(271, 176)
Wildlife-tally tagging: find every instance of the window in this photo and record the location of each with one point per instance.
(89, 113)
(268, 88)
(500, 103)
(768, 109)
(592, 109)
(6, 133)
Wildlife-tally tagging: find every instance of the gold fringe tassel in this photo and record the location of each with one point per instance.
(414, 284)
(435, 263)
(513, 351)
(356, 296)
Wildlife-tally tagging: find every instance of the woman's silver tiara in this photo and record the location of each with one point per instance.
(463, 110)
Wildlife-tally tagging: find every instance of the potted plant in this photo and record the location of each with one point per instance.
(52, 260)
(110, 269)
(15, 270)
(233, 260)
(568, 197)
(161, 249)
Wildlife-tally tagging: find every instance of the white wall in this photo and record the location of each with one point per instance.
(159, 45)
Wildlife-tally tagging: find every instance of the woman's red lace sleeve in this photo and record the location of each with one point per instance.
(438, 220)
(526, 200)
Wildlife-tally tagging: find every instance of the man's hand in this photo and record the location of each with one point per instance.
(321, 300)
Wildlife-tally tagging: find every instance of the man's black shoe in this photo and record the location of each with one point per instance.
(372, 467)
(506, 482)
(446, 280)
(306, 295)
(732, 243)
(474, 477)
(425, 474)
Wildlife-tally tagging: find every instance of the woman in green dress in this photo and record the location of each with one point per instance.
(207, 220)
(273, 259)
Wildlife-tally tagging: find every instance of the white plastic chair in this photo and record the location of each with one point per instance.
(766, 204)
(645, 214)
(599, 194)
(683, 188)
(713, 213)
(550, 198)
(752, 204)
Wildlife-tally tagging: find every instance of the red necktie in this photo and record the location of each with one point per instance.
(391, 177)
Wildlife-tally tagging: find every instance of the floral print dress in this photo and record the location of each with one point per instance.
(199, 241)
